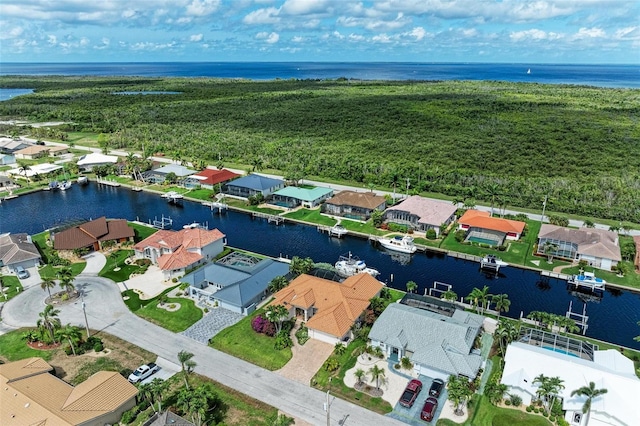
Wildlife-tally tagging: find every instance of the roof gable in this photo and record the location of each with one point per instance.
(16, 248)
(592, 241)
(214, 176)
(366, 200)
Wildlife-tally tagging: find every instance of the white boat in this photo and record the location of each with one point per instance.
(53, 185)
(588, 279)
(492, 262)
(349, 265)
(173, 197)
(529, 71)
(83, 180)
(65, 185)
(338, 231)
(191, 225)
(398, 243)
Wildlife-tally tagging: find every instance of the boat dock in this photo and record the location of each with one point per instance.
(271, 218)
(333, 231)
(106, 182)
(464, 256)
(557, 275)
(217, 206)
(163, 223)
(173, 197)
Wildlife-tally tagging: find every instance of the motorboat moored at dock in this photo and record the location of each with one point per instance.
(349, 265)
(399, 243)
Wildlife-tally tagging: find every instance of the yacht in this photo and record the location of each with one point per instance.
(490, 261)
(65, 185)
(589, 280)
(399, 243)
(350, 265)
(83, 180)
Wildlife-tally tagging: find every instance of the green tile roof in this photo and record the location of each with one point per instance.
(304, 194)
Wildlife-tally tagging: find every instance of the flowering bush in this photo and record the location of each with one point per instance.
(261, 325)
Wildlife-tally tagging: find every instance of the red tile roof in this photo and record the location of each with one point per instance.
(479, 219)
(213, 177)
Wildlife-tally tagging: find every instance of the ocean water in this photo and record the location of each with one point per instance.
(614, 76)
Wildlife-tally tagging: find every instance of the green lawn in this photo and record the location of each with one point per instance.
(200, 194)
(177, 321)
(241, 341)
(365, 228)
(83, 139)
(11, 286)
(13, 347)
(486, 414)
(50, 272)
(142, 231)
(339, 389)
(631, 279)
(119, 262)
(311, 216)
(239, 204)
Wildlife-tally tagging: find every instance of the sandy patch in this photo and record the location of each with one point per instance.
(171, 307)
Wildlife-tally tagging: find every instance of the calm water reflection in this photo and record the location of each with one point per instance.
(612, 319)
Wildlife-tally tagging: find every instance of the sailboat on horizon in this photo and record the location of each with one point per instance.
(529, 71)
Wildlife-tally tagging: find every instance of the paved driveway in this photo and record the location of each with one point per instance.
(106, 311)
(306, 361)
(95, 263)
(211, 324)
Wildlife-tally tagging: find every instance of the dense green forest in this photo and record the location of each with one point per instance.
(500, 142)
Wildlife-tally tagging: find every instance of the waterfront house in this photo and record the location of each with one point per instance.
(57, 150)
(210, 178)
(92, 234)
(36, 169)
(439, 342)
(576, 363)
(354, 205)
(599, 247)
(10, 146)
(5, 182)
(328, 308)
(18, 250)
(294, 196)
(421, 214)
(32, 152)
(176, 251)
(32, 395)
(87, 162)
(251, 185)
(481, 227)
(237, 282)
(159, 175)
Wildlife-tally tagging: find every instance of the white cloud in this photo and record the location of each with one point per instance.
(268, 37)
(51, 39)
(629, 33)
(306, 7)
(585, 33)
(202, 7)
(297, 39)
(381, 38)
(534, 34)
(262, 16)
(418, 33)
(196, 37)
(14, 32)
(84, 42)
(104, 43)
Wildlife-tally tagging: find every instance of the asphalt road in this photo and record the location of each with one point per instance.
(107, 312)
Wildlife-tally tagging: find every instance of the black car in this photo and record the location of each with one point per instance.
(436, 388)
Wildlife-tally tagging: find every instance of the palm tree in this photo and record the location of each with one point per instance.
(591, 393)
(449, 295)
(459, 390)
(158, 389)
(502, 303)
(187, 365)
(359, 373)
(48, 284)
(49, 321)
(24, 167)
(493, 190)
(506, 333)
(339, 348)
(377, 374)
(72, 334)
(555, 385)
(277, 284)
(549, 249)
(479, 298)
(146, 392)
(277, 314)
(411, 286)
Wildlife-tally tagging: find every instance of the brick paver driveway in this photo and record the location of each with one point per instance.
(306, 361)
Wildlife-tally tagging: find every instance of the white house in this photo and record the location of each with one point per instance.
(89, 161)
(18, 250)
(608, 369)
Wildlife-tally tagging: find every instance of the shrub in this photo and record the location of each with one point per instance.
(68, 350)
(302, 334)
(394, 227)
(562, 422)
(502, 247)
(64, 297)
(507, 402)
(431, 234)
(145, 262)
(283, 340)
(258, 324)
(459, 235)
(206, 310)
(529, 408)
(174, 280)
(406, 363)
(396, 366)
(515, 400)
(184, 286)
(129, 416)
(98, 347)
(536, 410)
(552, 418)
(544, 412)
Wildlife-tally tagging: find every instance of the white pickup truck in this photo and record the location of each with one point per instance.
(143, 372)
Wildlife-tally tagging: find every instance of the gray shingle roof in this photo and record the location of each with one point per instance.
(16, 248)
(256, 182)
(439, 342)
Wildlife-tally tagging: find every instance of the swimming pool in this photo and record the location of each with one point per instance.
(561, 351)
(483, 241)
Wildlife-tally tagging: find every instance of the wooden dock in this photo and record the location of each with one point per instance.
(464, 256)
(271, 218)
(557, 275)
(107, 182)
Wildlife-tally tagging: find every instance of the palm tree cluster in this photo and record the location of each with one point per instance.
(590, 393)
(549, 389)
(547, 320)
(459, 391)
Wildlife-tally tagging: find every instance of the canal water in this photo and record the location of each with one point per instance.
(613, 318)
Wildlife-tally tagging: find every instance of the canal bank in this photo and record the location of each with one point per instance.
(612, 318)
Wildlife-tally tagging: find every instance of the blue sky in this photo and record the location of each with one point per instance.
(538, 31)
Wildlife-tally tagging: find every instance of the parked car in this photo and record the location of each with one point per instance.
(436, 388)
(21, 272)
(410, 393)
(429, 409)
(143, 372)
